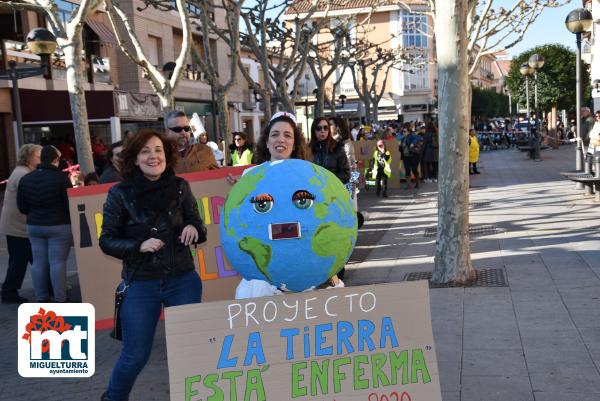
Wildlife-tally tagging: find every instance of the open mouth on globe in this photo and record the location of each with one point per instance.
(285, 231)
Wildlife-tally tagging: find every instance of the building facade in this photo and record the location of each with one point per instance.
(119, 97)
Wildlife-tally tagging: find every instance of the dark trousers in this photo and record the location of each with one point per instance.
(381, 181)
(431, 170)
(473, 168)
(19, 254)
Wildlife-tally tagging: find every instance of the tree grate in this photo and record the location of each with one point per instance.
(483, 278)
(474, 230)
(472, 205)
(480, 204)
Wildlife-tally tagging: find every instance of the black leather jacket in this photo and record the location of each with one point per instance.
(336, 161)
(126, 224)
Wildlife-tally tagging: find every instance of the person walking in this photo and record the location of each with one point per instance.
(149, 221)
(473, 152)
(42, 197)
(327, 152)
(410, 153)
(13, 225)
(382, 170)
(430, 152)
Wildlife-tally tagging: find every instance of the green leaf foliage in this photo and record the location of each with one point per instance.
(488, 103)
(556, 79)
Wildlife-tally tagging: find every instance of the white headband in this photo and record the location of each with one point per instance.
(284, 114)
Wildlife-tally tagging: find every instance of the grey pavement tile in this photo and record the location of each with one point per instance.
(585, 317)
(566, 380)
(573, 396)
(496, 388)
(450, 396)
(449, 375)
(493, 362)
(496, 340)
(548, 340)
(546, 295)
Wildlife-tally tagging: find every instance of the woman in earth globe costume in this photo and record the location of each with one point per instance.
(281, 139)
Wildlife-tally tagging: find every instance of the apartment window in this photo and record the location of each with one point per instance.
(155, 50)
(417, 76)
(65, 9)
(414, 30)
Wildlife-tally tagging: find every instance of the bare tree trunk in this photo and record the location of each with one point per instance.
(223, 111)
(452, 256)
(78, 105)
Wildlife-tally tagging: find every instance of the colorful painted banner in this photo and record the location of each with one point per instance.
(100, 274)
(369, 343)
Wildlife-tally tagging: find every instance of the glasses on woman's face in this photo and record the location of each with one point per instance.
(238, 139)
(322, 127)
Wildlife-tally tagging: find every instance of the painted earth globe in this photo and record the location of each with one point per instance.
(289, 222)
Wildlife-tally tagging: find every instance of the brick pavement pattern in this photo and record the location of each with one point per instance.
(538, 339)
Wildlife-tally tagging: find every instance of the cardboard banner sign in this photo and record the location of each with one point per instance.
(100, 274)
(369, 343)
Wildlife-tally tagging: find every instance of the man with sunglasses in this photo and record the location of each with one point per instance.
(194, 156)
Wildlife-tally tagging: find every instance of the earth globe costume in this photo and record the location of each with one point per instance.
(289, 223)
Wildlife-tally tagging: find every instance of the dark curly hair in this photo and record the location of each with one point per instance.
(135, 145)
(262, 153)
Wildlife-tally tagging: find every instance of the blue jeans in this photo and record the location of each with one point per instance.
(140, 311)
(50, 247)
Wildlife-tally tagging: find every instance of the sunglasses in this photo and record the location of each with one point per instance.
(177, 130)
(322, 128)
(238, 139)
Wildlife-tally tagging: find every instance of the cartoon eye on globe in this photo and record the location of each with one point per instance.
(263, 203)
(289, 222)
(303, 199)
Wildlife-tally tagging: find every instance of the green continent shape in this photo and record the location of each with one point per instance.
(239, 193)
(330, 198)
(332, 240)
(261, 253)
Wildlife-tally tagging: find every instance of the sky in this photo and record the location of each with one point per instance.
(548, 28)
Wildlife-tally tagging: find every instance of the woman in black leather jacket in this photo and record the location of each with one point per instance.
(327, 152)
(150, 220)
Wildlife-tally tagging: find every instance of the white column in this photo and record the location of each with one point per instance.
(115, 129)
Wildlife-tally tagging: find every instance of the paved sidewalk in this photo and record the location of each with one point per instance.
(537, 339)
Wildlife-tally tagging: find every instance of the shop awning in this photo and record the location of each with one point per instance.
(105, 34)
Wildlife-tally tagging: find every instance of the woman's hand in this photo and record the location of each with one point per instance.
(189, 235)
(151, 245)
(231, 179)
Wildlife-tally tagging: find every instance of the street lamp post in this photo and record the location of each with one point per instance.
(43, 43)
(577, 22)
(526, 71)
(536, 62)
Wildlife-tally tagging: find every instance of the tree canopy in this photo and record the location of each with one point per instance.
(489, 103)
(556, 79)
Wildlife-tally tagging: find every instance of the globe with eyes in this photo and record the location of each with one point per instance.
(289, 222)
